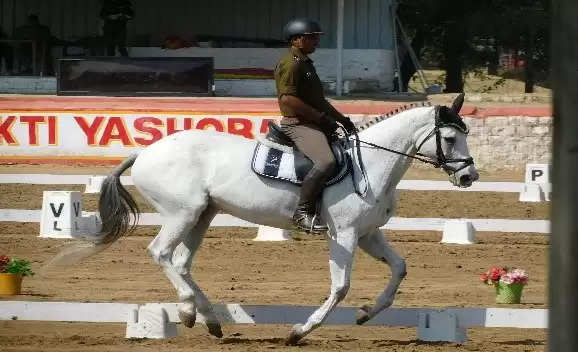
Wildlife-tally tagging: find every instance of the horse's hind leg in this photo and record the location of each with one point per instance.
(375, 244)
(182, 260)
(176, 227)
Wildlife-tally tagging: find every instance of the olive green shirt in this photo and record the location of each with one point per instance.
(295, 75)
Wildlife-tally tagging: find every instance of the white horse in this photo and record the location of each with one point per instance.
(191, 175)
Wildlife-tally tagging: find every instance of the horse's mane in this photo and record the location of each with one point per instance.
(396, 111)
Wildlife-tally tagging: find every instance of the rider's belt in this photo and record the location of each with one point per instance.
(289, 120)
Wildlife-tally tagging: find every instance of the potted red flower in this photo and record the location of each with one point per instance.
(508, 283)
(11, 273)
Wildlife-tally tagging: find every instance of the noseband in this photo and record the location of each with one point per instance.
(442, 161)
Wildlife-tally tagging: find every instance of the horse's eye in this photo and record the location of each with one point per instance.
(450, 140)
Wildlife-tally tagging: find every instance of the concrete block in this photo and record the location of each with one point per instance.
(266, 233)
(94, 184)
(532, 193)
(91, 226)
(150, 321)
(458, 232)
(440, 326)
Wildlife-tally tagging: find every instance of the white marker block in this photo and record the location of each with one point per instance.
(151, 321)
(538, 173)
(532, 192)
(266, 233)
(91, 225)
(93, 184)
(458, 232)
(440, 326)
(61, 215)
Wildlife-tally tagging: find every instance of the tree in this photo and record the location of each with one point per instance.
(455, 37)
(466, 35)
(421, 17)
(522, 25)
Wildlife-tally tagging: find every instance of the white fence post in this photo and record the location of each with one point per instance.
(440, 326)
(94, 184)
(267, 233)
(150, 321)
(537, 178)
(458, 232)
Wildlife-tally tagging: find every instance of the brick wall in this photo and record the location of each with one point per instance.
(510, 142)
(505, 142)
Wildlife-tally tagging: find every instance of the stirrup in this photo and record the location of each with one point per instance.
(313, 229)
(302, 224)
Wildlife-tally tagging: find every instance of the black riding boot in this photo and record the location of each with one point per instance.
(305, 217)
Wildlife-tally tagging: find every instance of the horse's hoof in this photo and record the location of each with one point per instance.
(294, 336)
(215, 329)
(187, 319)
(362, 314)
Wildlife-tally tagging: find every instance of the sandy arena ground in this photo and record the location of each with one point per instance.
(231, 268)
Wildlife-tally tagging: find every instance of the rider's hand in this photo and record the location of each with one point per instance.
(328, 123)
(348, 125)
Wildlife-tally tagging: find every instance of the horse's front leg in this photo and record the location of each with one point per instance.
(376, 245)
(341, 249)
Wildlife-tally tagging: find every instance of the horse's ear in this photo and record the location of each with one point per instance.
(457, 104)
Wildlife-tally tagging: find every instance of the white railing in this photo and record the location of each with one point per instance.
(272, 314)
(395, 223)
(413, 185)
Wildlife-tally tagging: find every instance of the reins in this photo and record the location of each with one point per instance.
(419, 157)
(441, 161)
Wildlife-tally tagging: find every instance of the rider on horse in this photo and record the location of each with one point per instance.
(308, 118)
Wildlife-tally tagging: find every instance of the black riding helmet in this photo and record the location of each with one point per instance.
(300, 26)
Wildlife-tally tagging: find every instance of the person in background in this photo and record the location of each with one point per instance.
(6, 54)
(43, 40)
(116, 14)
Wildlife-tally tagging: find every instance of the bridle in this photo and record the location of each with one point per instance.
(441, 160)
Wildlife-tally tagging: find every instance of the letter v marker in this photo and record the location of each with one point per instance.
(57, 213)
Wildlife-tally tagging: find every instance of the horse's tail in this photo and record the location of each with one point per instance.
(116, 206)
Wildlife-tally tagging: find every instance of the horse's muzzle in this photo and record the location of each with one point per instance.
(466, 180)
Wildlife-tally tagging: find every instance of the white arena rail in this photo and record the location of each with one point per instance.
(47, 179)
(395, 223)
(273, 314)
(414, 185)
(158, 320)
